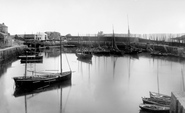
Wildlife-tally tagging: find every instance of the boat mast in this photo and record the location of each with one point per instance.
(60, 56)
(128, 27)
(128, 30)
(113, 40)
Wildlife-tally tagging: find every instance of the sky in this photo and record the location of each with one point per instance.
(90, 16)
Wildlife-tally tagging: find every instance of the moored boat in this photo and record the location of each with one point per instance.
(37, 81)
(154, 108)
(100, 51)
(83, 53)
(156, 101)
(85, 56)
(30, 57)
(160, 96)
(21, 92)
(31, 61)
(114, 50)
(34, 82)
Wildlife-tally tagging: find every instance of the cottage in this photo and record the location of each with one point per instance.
(5, 38)
(3, 28)
(41, 36)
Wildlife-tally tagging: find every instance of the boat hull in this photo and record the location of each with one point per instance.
(31, 61)
(21, 92)
(40, 81)
(160, 96)
(154, 108)
(84, 56)
(30, 57)
(101, 53)
(156, 101)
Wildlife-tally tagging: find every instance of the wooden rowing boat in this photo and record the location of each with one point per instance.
(160, 96)
(156, 101)
(154, 108)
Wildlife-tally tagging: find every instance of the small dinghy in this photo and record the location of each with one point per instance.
(154, 108)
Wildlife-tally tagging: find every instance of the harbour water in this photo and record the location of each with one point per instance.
(105, 85)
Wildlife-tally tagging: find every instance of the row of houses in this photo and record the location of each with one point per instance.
(7, 40)
(40, 36)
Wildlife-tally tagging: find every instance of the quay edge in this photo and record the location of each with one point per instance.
(11, 52)
(177, 102)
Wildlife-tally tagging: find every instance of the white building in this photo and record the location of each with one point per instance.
(41, 36)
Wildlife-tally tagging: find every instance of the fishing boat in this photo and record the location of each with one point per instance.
(31, 56)
(157, 53)
(154, 108)
(130, 48)
(69, 45)
(114, 50)
(100, 51)
(30, 51)
(160, 96)
(156, 101)
(31, 59)
(40, 80)
(83, 54)
(21, 92)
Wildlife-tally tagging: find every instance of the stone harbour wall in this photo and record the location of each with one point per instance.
(11, 52)
(177, 102)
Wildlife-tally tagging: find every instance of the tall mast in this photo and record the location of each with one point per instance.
(128, 27)
(60, 56)
(113, 40)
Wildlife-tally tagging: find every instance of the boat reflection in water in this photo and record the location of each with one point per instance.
(25, 93)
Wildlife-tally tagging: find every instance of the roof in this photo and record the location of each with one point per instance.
(3, 25)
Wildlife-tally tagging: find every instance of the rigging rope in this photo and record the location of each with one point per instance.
(67, 62)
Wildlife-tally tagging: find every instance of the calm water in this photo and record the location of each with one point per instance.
(106, 85)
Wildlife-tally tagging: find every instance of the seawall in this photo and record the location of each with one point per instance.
(11, 52)
(177, 102)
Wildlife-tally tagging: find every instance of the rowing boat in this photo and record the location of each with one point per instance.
(154, 108)
(156, 101)
(160, 96)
